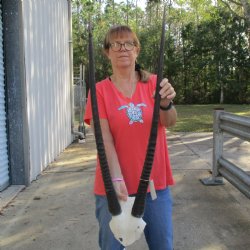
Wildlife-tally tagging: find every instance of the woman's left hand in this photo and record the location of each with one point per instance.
(167, 92)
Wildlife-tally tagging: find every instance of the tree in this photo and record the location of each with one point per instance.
(206, 54)
(236, 6)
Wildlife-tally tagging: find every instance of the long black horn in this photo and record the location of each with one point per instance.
(139, 204)
(114, 206)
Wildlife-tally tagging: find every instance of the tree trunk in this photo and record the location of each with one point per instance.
(221, 93)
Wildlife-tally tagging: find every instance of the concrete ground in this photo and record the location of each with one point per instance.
(57, 210)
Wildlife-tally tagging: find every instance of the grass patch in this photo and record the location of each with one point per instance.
(199, 118)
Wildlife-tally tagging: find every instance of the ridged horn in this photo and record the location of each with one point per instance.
(113, 204)
(139, 204)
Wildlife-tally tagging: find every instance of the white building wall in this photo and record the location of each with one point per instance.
(47, 66)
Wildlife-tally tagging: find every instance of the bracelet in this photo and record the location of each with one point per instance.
(117, 179)
(170, 105)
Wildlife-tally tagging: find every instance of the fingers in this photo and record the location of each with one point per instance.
(121, 190)
(167, 91)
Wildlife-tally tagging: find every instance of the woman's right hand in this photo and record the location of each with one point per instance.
(114, 165)
(121, 190)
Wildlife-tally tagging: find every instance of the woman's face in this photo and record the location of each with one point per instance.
(122, 52)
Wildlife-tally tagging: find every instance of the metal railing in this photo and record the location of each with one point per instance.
(79, 101)
(238, 126)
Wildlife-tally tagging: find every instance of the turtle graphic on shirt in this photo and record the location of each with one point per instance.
(133, 112)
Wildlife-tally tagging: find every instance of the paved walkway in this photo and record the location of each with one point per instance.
(56, 212)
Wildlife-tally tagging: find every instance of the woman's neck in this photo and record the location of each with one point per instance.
(124, 78)
(125, 81)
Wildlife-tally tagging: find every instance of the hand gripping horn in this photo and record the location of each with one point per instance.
(127, 224)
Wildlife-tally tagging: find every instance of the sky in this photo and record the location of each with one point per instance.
(140, 3)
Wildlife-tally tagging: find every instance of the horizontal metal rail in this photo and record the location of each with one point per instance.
(240, 120)
(241, 134)
(235, 125)
(236, 176)
(236, 182)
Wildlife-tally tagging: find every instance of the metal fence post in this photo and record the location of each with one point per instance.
(82, 85)
(218, 138)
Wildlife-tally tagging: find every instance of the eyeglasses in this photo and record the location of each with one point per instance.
(117, 46)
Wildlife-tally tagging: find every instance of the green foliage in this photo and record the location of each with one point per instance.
(199, 118)
(206, 52)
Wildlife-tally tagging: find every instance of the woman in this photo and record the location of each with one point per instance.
(125, 103)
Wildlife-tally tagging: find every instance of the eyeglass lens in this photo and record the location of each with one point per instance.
(116, 46)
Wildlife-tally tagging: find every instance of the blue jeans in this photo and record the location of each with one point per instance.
(158, 216)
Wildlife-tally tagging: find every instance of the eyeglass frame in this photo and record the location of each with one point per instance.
(122, 44)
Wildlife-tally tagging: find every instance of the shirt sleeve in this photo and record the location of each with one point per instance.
(101, 105)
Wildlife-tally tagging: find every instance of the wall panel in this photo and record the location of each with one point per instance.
(47, 67)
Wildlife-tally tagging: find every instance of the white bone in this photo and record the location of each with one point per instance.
(125, 227)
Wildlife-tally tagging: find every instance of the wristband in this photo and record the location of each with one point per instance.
(117, 179)
(170, 105)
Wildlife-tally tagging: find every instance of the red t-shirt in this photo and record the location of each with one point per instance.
(130, 123)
